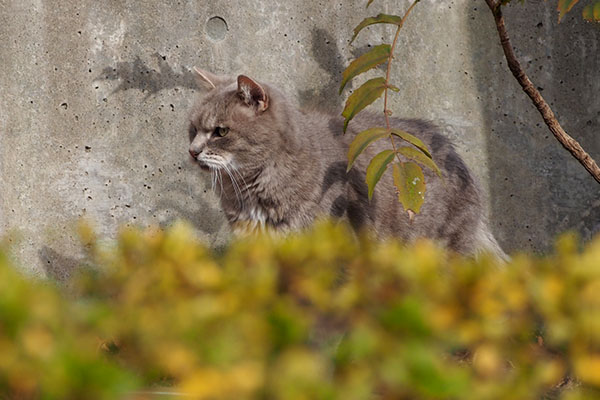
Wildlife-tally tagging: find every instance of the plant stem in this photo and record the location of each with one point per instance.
(387, 77)
(559, 133)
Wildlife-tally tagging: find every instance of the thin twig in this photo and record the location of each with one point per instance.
(387, 78)
(559, 133)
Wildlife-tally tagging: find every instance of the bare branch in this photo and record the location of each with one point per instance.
(567, 141)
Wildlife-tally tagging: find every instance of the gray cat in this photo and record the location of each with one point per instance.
(280, 167)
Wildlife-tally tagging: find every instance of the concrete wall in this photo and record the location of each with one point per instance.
(94, 98)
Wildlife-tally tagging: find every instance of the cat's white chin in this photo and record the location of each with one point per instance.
(208, 165)
(202, 166)
(213, 162)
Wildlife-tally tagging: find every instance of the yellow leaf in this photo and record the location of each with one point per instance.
(379, 19)
(551, 372)
(410, 183)
(86, 232)
(205, 383)
(487, 361)
(177, 359)
(38, 342)
(376, 168)
(238, 382)
(362, 97)
(552, 289)
(587, 369)
(247, 377)
(564, 6)
(362, 140)
(443, 317)
(376, 56)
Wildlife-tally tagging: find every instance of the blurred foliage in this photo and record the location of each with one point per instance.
(317, 315)
(49, 347)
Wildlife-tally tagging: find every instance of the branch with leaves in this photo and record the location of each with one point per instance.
(542, 106)
(408, 175)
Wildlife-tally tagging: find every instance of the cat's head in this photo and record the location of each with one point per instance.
(237, 123)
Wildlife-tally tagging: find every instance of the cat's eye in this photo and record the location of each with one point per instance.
(221, 131)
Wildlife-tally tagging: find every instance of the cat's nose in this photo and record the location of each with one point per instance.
(194, 153)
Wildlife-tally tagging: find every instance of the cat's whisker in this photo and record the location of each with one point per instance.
(213, 179)
(220, 183)
(239, 174)
(236, 187)
(239, 190)
(235, 171)
(241, 194)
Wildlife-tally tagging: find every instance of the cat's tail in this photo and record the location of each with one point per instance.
(486, 242)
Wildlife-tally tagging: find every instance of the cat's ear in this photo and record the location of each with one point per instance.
(205, 79)
(252, 93)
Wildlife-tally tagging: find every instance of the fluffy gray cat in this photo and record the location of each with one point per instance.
(280, 167)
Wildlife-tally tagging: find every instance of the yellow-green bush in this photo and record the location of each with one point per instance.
(319, 315)
(48, 345)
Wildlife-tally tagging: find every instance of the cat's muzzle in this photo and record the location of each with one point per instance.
(200, 163)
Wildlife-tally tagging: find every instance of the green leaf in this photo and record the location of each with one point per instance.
(406, 317)
(379, 19)
(564, 6)
(376, 169)
(415, 141)
(410, 183)
(591, 12)
(362, 97)
(378, 55)
(420, 157)
(369, 3)
(362, 141)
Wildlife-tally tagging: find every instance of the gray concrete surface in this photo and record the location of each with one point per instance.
(94, 98)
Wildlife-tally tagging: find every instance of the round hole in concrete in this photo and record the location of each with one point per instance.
(216, 28)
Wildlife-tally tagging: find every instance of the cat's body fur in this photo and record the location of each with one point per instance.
(289, 167)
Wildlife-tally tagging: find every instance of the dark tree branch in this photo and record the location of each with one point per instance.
(567, 141)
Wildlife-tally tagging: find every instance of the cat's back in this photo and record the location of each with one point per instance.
(324, 128)
(452, 212)
(326, 132)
